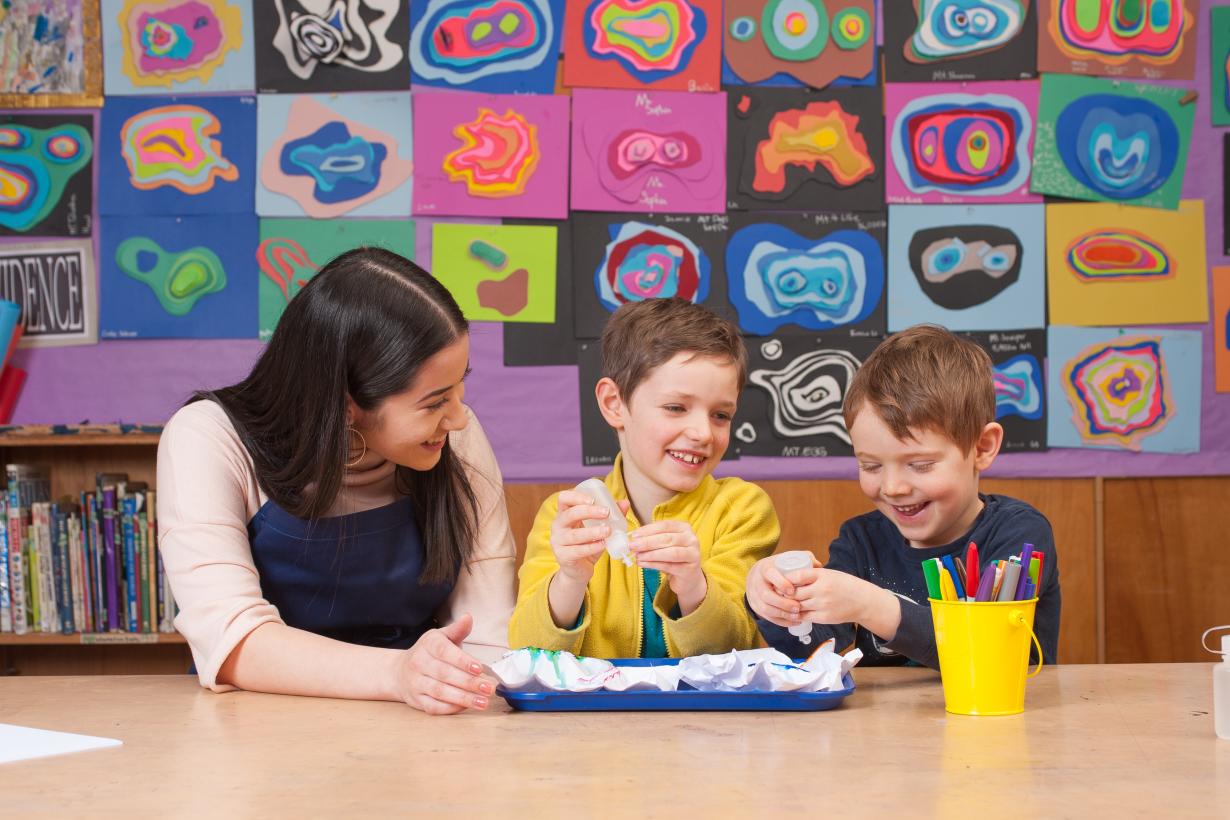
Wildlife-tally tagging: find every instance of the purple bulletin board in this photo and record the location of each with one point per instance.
(532, 414)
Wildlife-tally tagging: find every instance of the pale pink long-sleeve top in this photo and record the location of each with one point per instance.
(207, 494)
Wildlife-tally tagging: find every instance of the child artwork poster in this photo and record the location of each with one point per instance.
(528, 344)
(808, 272)
(666, 46)
(799, 43)
(621, 258)
(52, 56)
(1110, 141)
(491, 155)
(1154, 40)
(790, 149)
(1120, 265)
(453, 44)
(292, 251)
(935, 41)
(1219, 64)
(965, 267)
(55, 285)
(332, 155)
(47, 165)
(1134, 389)
(497, 273)
(795, 389)
(178, 46)
(1221, 328)
(960, 142)
(1017, 360)
(178, 277)
(641, 151)
(324, 46)
(177, 155)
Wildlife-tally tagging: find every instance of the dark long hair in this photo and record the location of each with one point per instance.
(362, 327)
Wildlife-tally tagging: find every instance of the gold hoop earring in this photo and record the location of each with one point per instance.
(363, 452)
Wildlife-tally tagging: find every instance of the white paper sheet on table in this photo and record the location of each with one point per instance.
(24, 743)
(762, 670)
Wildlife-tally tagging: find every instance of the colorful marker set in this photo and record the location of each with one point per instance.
(955, 580)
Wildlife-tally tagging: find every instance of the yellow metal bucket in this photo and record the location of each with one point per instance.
(984, 654)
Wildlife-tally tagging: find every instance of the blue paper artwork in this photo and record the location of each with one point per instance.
(967, 267)
(497, 46)
(807, 272)
(177, 155)
(178, 277)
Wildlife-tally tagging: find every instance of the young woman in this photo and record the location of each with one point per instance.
(334, 524)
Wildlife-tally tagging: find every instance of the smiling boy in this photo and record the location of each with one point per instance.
(672, 375)
(921, 416)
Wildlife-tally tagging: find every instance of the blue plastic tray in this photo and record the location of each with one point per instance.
(685, 699)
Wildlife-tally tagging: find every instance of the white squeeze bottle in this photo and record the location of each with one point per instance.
(1221, 684)
(786, 563)
(617, 541)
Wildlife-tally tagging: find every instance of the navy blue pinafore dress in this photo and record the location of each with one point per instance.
(353, 577)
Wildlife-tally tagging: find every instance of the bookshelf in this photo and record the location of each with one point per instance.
(74, 454)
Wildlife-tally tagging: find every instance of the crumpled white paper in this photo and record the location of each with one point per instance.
(760, 670)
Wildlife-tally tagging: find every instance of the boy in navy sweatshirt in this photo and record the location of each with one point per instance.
(921, 417)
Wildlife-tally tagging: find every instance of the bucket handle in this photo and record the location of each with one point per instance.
(1017, 617)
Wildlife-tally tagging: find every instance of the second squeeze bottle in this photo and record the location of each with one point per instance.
(617, 541)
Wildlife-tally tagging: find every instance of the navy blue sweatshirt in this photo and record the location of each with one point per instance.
(872, 548)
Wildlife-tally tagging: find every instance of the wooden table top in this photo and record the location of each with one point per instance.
(1129, 738)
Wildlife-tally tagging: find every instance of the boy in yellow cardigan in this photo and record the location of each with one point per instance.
(672, 374)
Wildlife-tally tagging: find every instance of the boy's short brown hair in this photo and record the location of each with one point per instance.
(926, 378)
(643, 335)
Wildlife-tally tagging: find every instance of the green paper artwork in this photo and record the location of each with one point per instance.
(292, 250)
(1219, 64)
(497, 273)
(1112, 141)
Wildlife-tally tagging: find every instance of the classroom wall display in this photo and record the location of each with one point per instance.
(621, 258)
(178, 277)
(529, 344)
(52, 55)
(1119, 265)
(648, 151)
(178, 46)
(497, 273)
(291, 251)
(1017, 359)
(813, 43)
(1107, 141)
(1118, 38)
(54, 283)
(177, 155)
(670, 45)
(966, 267)
(1136, 389)
(792, 403)
(332, 45)
(491, 155)
(960, 142)
(326, 156)
(1219, 64)
(950, 40)
(790, 149)
(1221, 328)
(46, 174)
(497, 47)
(808, 272)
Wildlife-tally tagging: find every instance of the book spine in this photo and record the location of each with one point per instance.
(87, 567)
(76, 551)
(57, 528)
(109, 558)
(6, 601)
(100, 589)
(138, 525)
(50, 605)
(149, 610)
(17, 555)
(130, 560)
(36, 573)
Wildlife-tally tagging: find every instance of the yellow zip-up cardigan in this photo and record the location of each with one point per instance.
(736, 525)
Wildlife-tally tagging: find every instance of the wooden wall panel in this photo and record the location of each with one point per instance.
(1167, 564)
(133, 659)
(812, 512)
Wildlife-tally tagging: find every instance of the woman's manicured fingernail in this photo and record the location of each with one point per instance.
(480, 702)
(486, 688)
(475, 669)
